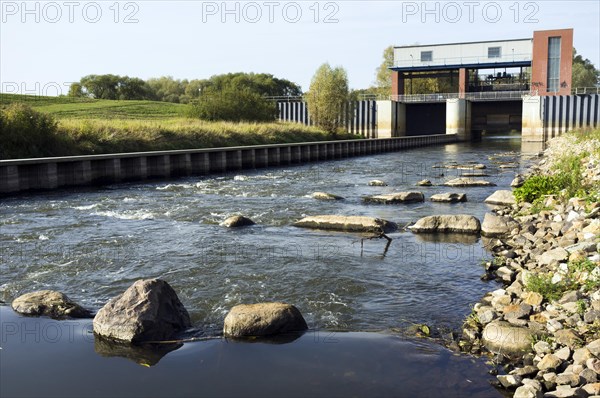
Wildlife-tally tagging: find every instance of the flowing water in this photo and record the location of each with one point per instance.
(92, 244)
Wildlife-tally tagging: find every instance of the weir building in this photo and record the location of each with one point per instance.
(474, 88)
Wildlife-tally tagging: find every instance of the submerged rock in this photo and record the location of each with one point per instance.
(237, 221)
(459, 223)
(495, 226)
(377, 183)
(470, 166)
(347, 223)
(325, 196)
(449, 197)
(263, 319)
(398, 197)
(501, 197)
(49, 303)
(149, 310)
(468, 182)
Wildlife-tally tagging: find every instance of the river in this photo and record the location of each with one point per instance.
(92, 244)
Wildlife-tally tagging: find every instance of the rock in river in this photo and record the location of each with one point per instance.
(347, 223)
(237, 221)
(468, 182)
(377, 183)
(263, 319)
(501, 197)
(424, 183)
(398, 197)
(449, 197)
(49, 303)
(325, 196)
(149, 310)
(460, 223)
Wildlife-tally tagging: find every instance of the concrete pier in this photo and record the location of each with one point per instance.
(458, 118)
(532, 129)
(22, 175)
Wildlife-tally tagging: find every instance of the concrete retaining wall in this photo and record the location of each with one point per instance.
(50, 173)
(567, 112)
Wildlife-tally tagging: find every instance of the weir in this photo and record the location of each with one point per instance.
(23, 175)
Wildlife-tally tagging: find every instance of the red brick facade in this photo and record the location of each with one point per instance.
(539, 62)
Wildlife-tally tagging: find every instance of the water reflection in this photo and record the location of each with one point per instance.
(284, 338)
(142, 354)
(316, 364)
(467, 239)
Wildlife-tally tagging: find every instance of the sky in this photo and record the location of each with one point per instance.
(46, 45)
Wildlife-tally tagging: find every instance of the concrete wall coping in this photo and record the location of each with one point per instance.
(62, 159)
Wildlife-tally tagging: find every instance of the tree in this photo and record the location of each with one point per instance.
(383, 76)
(328, 97)
(132, 88)
(101, 86)
(262, 83)
(238, 96)
(167, 89)
(584, 73)
(111, 87)
(75, 90)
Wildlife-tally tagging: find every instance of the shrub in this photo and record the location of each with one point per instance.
(542, 284)
(26, 133)
(233, 105)
(568, 175)
(535, 187)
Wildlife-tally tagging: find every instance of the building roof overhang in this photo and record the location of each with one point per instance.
(483, 65)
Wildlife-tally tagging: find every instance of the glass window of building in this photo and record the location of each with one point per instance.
(426, 56)
(553, 64)
(494, 52)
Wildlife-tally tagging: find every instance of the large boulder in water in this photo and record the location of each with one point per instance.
(347, 223)
(458, 223)
(393, 198)
(237, 221)
(263, 319)
(501, 197)
(49, 303)
(149, 310)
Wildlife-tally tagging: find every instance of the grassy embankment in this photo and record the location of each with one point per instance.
(88, 126)
(566, 173)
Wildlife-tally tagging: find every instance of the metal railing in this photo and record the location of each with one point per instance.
(288, 98)
(585, 90)
(478, 96)
(406, 63)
